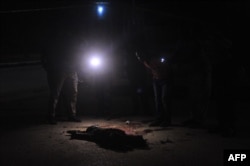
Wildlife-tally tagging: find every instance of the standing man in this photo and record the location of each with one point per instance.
(161, 75)
(60, 62)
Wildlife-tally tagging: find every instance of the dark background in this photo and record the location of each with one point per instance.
(218, 27)
(26, 25)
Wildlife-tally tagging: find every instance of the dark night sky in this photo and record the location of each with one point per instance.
(22, 27)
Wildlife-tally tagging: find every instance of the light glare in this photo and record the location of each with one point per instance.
(162, 60)
(95, 61)
(100, 10)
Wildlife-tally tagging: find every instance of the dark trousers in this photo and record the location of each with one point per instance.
(62, 81)
(162, 94)
(225, 107)
(140, 99)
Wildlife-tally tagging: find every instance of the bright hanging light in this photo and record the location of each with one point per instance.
(100, 9)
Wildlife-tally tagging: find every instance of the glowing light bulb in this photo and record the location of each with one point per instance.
(100, 10)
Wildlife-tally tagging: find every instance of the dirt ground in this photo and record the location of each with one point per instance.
(27, 139)
(45, 144)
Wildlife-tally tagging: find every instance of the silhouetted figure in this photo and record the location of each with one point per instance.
(224, 88)
(102, 88)
(197, 71)
(162, 85)
(226, 83)
(102, 73)
(59, 59)
(140, 85)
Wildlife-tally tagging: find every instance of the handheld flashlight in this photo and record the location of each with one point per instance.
(162, 60)
(95, 61)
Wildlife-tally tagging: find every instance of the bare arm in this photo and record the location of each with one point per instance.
(147, 65)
